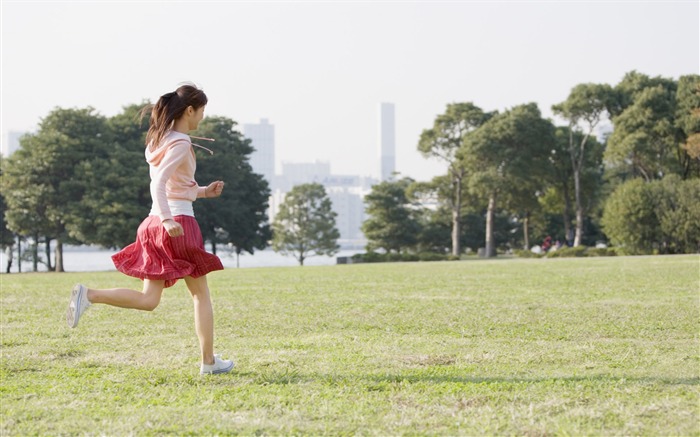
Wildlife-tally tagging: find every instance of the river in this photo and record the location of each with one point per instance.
(89, 259)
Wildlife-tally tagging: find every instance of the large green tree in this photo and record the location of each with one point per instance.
(559, 195)
(646, 140)
(506, 159)
(305, 224)
(584, 109)
(393, 224)
(115, 195)
(443, 142)
(43, 181)
(436, 215)
(239, 216)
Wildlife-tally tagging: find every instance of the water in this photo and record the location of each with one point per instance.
(88, 259)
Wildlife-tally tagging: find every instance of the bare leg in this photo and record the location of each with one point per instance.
(203, 316)
(147, 300)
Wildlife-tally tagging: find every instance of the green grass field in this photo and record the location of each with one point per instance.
(595, 346)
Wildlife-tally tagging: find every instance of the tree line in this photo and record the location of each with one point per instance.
(82, 179)
(514, 177)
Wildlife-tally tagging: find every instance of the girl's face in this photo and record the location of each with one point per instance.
(195, 116)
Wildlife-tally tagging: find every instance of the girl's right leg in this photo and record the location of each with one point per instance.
(147, 300)
(204, 325)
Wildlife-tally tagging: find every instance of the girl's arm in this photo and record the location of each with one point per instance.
(212, 190)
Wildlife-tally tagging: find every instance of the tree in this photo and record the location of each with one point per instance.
(584, 109)
(115, 196)
(7, 239)
(392, 224)
(239, 215)
(688, 123)
(558, 196)
(645, 138)
(436, 223)
(443, 142)
(305, 224)
(506, 154)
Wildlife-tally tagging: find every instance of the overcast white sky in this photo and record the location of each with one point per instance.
(318, 70)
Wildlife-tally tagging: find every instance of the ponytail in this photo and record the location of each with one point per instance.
(168, 108)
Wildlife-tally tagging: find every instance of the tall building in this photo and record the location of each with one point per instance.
(11, 143)
(387, 141)
(262, 136)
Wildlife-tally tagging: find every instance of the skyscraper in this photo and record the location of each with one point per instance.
(262, 136)
(387, 141)
(11, 143)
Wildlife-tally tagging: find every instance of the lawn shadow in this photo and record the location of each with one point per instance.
(440, 379)
(295, 376)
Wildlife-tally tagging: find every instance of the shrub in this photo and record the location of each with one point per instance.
(567, 252)
(520, 253)
(608, 251)
(661, 216)
(374, 257)
(431, 256)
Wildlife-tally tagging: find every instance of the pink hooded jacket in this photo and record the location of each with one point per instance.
(172, 166)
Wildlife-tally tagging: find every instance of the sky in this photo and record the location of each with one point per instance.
(319, 70)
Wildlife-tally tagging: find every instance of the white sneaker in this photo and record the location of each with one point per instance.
(78, 304)
(219, 366)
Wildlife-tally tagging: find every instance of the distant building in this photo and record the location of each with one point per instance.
(387, 141)
(294, 173)
(348, 203)
(346, 193)
(262, 136)
(11, 143)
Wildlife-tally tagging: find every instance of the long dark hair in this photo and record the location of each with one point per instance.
(169, 108)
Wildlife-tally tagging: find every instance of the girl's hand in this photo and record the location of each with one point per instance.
(214, 189)
(173, 228)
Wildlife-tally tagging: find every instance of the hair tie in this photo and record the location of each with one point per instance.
(167, 96)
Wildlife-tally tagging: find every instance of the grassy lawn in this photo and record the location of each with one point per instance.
(530, 347)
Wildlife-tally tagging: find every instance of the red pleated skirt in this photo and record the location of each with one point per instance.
(155, 255)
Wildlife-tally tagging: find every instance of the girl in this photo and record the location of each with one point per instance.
(169, 242)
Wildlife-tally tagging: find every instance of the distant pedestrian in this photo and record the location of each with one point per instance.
(547, 243)
(169, 243)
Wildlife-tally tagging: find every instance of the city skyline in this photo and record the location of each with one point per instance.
(308, 68)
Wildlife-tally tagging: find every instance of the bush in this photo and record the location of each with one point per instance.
(572, 252)
(568, 252)
(661, 216)
(431, 256)
(374, 257)
(369, 257)
(608, 251)
(520, 253)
